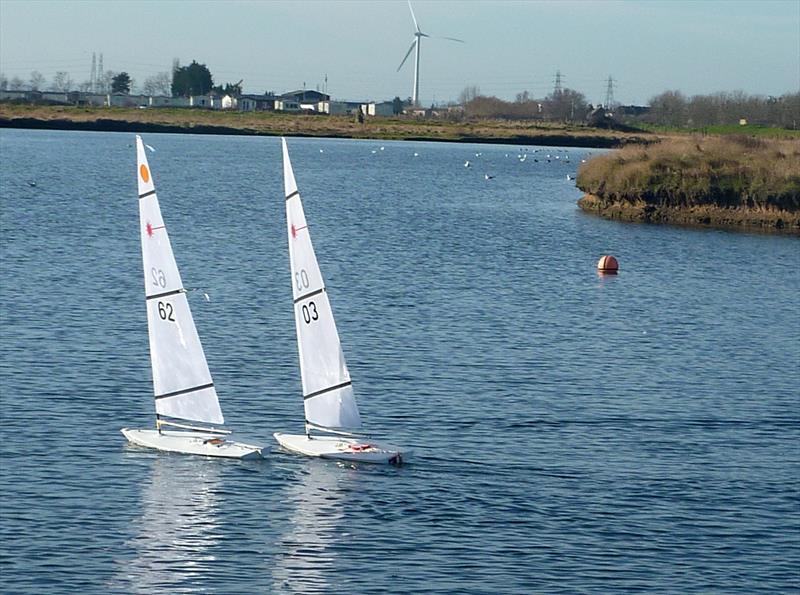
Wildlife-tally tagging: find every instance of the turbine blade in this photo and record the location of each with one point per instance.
(450, 38)
(416, 27)
(408, 53)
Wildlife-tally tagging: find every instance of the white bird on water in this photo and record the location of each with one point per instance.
(466, 163)
(488, 177)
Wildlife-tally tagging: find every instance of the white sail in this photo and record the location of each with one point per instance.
(327, 391)
(181, 380)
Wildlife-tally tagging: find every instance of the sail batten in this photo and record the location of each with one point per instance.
(182, 383)
(329, 400)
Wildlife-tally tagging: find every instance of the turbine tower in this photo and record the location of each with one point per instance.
(418, 35)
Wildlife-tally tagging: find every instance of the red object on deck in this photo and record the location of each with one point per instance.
(608, 265)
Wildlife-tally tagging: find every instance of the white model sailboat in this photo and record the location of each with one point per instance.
(184, 391)
(330, 405)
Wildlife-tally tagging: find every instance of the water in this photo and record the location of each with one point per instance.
(573, 433)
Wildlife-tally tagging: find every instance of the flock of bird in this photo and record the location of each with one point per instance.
(522, 156)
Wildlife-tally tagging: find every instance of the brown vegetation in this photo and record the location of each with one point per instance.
(729, 181)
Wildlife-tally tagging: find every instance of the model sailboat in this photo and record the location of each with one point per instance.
(332, 419)
(185, 397)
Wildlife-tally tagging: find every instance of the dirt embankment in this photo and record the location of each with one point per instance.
(745, 219)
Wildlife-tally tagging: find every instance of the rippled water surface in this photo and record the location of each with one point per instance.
(573, 433)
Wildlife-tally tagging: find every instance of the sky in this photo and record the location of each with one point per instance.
(645, 46)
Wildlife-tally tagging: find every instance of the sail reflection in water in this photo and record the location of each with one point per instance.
(309, 546)
(177, 530)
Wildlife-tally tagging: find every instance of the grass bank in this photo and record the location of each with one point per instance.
(278, 124)
(733, 181)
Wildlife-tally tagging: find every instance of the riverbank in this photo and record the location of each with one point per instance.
(195, 121)
(734, 183)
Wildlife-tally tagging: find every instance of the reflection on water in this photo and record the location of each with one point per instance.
(173, 539)
(308, 547)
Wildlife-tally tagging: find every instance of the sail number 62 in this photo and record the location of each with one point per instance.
(165, 311)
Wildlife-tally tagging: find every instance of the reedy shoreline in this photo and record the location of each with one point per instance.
(731, 182)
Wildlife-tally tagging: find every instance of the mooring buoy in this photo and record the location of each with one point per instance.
(607, 265)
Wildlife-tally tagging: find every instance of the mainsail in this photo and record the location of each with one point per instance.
(327, 391)
(181, 379)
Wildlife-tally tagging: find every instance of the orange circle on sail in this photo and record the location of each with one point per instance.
(144, 173)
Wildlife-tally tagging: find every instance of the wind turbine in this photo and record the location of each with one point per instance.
(418, 35)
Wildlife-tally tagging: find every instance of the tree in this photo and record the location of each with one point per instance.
(468, 94)
(233, 89)
(37, 81)
(121, 83)
(16, 84)
(669, 108)
(397, 106)
(62, 82)
(567, 106)
(3, 82)
(104, 82)
(158, 84)
(194, 79)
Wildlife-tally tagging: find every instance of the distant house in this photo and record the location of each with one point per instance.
(12, 95)
(306, 96)
(205, 101)
(344, 108)
(228, 102)
(303, 100)
(257, 103)
(55, 97)
(125, 100)
(51, 97)
(384, 108)
(631, 110)
(368, 108)
(286, 105)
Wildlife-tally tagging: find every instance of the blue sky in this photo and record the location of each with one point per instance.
(511, 46)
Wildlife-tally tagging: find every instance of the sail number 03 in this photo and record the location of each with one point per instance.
(301, 280)
(310, 312)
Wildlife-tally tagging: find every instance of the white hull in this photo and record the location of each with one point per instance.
(192, 443)
(343, 449)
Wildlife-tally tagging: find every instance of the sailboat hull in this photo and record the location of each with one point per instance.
(343, 449)
(194, 443)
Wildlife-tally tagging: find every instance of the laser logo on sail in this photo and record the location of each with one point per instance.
(150, 229)
(296, 229)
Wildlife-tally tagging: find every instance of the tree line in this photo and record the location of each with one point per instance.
(670, 108)
(194, 79)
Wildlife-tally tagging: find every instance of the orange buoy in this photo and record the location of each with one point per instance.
(608, 265)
